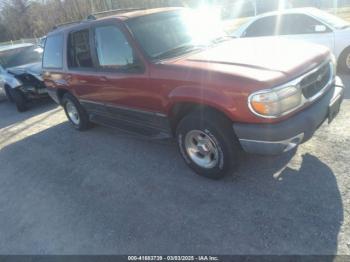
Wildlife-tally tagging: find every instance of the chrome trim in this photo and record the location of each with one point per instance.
(123, 108)
(288, 144)
(295, 82)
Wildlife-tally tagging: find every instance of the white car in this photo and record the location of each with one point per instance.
(306, 24)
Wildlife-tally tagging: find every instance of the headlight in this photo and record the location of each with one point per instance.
(275, 102)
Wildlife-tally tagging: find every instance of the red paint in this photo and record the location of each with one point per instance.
(223, 76)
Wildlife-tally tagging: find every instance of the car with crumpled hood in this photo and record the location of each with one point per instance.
(21, 74)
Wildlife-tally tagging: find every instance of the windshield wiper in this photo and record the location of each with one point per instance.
(177, 51)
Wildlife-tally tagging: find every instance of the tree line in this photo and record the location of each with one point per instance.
(35, 18)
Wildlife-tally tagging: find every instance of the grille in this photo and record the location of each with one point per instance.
(315, 82)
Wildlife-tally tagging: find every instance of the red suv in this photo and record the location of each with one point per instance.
(171, 73)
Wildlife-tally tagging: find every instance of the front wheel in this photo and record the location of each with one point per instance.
(207, 143)
(75, 112)
(344, 61)
(18, 98)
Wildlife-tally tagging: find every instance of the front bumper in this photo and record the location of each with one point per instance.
(33, 92)
(272, 139)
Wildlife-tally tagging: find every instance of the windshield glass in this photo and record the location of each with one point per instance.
(20, 56)
(173, 33)
(332, 20)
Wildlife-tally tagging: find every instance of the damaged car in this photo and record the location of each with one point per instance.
(21, 74)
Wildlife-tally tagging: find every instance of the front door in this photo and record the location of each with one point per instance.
(111, 80)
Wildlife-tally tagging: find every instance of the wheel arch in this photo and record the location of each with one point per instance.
(342, 53)
(180, 109)
(60, 92)
(185, 99)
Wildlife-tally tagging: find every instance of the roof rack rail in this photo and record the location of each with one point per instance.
(65, 24)
(117, 11)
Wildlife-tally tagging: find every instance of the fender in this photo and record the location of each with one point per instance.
(203, 96)
(11, 81)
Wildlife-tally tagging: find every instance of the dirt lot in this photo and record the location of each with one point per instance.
(105, 192)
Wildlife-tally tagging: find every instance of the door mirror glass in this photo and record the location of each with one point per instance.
(320, 28)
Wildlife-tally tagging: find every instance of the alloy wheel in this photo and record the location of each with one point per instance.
(201, 149)
(73, 113)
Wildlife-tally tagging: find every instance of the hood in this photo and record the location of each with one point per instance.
(33, 69)
(265, 60)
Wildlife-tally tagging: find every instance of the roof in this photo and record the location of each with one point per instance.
(138, 13)
(304, 10)
(120, 16)
(12, 47)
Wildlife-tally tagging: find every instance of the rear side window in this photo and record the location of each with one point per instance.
(79, 50)
(296, 24)
(113, 49)
(53, 54)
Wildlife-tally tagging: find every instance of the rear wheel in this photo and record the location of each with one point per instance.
(207, 143)
(18, 98)
(75, 112)
(344, 61)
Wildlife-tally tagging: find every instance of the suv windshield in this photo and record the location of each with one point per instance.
(174, 33)
(20, 56)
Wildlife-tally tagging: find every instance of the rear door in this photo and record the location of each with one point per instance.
(81, 75)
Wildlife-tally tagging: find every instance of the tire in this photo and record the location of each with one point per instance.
(75, 113)
(221, 149)
(344, 61)
(8, 95)
(18, 98)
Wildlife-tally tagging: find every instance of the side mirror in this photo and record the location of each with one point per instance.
(320, 28)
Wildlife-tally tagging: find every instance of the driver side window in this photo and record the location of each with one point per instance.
(113, 49)
(265, 26)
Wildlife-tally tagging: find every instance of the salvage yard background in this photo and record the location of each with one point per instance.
(106, 192)
(23, 19)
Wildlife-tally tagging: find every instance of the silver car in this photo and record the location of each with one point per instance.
(20, 74)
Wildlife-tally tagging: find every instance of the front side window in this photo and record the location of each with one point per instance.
(53, 52)
(266, 26)
(79, 50)
(113, 49)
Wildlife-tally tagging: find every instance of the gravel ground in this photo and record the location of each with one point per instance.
(105, 192)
